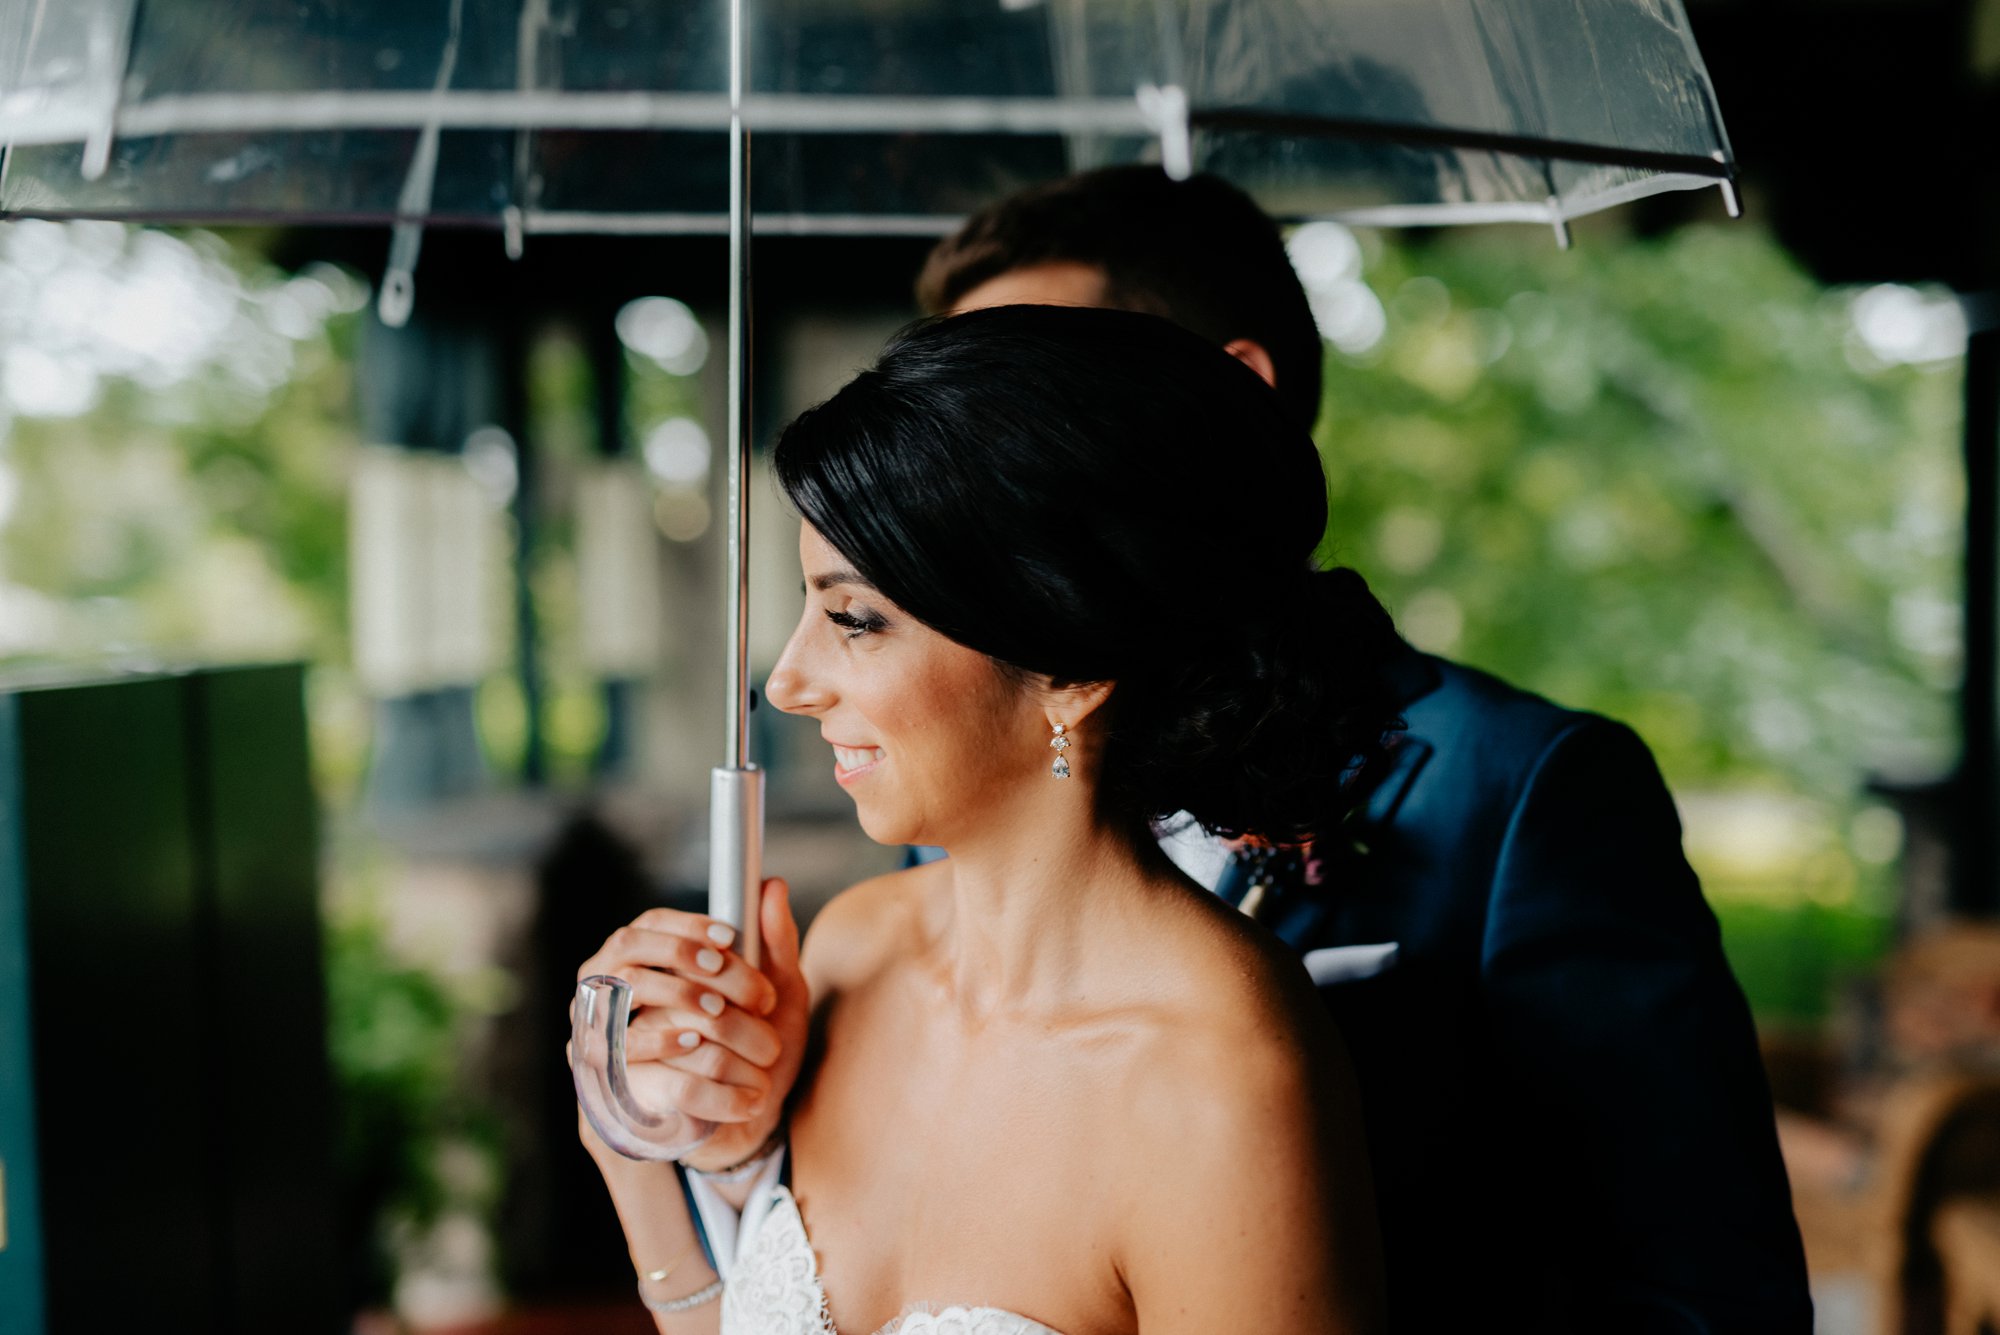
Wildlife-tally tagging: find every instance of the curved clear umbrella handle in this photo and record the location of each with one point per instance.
(604, 1088)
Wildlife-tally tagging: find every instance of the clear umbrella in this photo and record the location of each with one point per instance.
(870, 117)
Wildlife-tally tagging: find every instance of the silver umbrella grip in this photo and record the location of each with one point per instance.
(736, 854)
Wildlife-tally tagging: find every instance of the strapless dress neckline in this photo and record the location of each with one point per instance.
(774, 1287)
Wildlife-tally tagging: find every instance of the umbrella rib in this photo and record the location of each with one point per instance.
(231, 113)
(31, 120)
(1256, 120)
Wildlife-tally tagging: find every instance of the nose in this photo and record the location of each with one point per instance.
(793, 687)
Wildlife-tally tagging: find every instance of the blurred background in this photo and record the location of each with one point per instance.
(429, 620)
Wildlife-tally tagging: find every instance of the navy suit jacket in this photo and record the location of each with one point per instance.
(1569, 1122)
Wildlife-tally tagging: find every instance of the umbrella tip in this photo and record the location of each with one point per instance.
(398, 298)
(1166, 109)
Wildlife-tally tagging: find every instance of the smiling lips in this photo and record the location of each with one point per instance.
(851, 760)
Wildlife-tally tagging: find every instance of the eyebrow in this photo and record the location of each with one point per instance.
(832, 577)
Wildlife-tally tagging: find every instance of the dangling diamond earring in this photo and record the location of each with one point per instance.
(1060, 770)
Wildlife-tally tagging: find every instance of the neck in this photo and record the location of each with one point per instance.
(1032, 903)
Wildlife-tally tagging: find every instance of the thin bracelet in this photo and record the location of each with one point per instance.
(743, 1168)
(667, 1306)
(661, 1275)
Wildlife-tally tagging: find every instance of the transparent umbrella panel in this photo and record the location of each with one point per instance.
(870, 115)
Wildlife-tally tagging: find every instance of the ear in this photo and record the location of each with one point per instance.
(1253, 355)
(1071, 705)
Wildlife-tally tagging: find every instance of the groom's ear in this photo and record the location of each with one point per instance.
(1255, 356)
(1071, 704)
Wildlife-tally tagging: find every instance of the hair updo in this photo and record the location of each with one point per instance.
(1095, 495)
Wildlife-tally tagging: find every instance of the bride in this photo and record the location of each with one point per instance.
(1059, 588)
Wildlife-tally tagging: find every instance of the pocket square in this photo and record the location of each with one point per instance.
(1347, 964)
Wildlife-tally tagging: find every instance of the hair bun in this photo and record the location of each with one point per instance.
(1283, 719)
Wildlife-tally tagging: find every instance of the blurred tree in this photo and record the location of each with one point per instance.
(176, 425)
(1677, 482)
(1668, 480)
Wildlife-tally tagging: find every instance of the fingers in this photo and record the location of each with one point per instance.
(676, 1004)
(781, 929)
(698, 927)
(698, 1040)
(632, 950)
(670, 1046)
(665, 1085)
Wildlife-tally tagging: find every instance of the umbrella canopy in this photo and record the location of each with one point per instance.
(871, 115)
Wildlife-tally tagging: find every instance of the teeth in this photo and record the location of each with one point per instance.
(851, 758)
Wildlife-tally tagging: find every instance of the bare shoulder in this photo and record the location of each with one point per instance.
(1253, 994)
(1240, 1045)
(1249, 1192)
(861, 928)
(1252, 1037)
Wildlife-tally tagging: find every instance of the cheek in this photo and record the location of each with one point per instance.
(961, 720)
(962, 734)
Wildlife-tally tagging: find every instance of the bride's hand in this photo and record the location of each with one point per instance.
(710, 1035)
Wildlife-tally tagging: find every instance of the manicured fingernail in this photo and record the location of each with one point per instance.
(709, 960)
(721, 933)
(690, 1039)
(711, 1003)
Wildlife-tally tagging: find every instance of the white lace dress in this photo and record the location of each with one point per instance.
(772, 1277)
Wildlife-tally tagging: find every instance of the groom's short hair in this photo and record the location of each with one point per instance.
(1199, 252)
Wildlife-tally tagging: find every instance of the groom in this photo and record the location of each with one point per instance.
(1569, 1122)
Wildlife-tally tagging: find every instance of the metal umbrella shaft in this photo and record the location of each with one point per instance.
(736, 787)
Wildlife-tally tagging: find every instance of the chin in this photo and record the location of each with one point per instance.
(887, 827)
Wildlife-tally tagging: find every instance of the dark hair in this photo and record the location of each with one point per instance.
(1097, 495)
(1198, 251)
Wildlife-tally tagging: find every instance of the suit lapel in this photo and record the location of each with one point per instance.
(1406, 760)
(1413, 676)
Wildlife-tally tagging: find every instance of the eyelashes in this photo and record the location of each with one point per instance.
(853, 626)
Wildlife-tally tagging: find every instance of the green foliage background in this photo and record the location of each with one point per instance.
(1667, 481)
(1658, 479)
(1664, 479)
